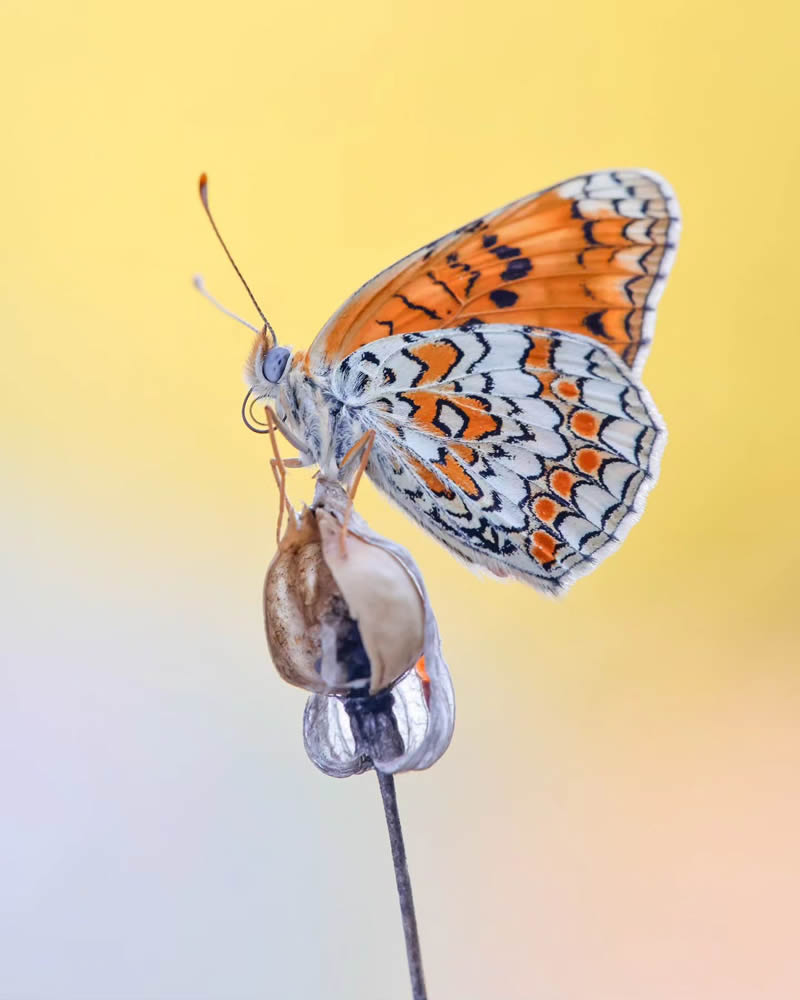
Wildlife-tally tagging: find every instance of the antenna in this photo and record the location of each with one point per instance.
(200, 285)
(203, 186)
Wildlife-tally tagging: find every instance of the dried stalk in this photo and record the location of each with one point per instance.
(413, 953)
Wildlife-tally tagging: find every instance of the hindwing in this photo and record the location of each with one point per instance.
(526, 450)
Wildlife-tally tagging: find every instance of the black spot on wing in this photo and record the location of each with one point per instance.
(503, 252)
(517, 268)
(503, 298)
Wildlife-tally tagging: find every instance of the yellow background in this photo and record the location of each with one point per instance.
(617, 816)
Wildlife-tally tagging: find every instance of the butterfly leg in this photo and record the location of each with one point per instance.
(279, 465)
(364, 445)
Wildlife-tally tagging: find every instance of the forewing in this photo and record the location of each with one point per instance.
(587, 256)
(525, 450)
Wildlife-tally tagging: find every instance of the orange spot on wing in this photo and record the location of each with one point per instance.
(458, 476)
(561, 482)
(588, 461)
(481, 421)
(439, 358)
(464, 452)
(568, 390)
(478, 420)
(545, 509)
(425, 412)
(430, 479)
(584, 423)
(543, 547)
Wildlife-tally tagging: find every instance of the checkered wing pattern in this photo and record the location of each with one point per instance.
(525, 450)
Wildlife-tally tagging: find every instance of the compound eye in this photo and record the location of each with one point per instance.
(274, 364)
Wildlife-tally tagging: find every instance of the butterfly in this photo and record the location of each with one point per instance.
(492, 381)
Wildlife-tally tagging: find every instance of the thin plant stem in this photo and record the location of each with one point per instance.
(389, 798)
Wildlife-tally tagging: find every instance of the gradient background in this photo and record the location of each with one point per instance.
(618, 814)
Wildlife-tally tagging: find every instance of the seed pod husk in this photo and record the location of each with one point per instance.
(407, 725)
(380, 596)
(342, 615)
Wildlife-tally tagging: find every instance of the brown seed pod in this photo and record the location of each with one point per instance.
(342, 615)
(299, 591)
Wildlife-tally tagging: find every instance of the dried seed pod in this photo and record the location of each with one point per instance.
(381, 597)
(347, 617)
(407, 724)
(341, 614)
(313, 639)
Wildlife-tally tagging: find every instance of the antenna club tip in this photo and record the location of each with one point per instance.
(202, 186)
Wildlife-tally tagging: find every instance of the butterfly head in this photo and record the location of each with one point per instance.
(267, 364)
(266, 372)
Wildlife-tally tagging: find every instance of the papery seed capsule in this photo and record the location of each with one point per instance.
(380, 596)
(342, 615)
(306, 617)
(348, 617)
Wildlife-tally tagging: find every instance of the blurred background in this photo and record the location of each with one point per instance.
(618, 814)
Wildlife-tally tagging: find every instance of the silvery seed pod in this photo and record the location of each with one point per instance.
(347, 617)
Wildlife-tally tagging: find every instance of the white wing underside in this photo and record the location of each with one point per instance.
(526, 451)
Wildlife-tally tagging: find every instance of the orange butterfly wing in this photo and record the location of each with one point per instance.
(587, 256)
